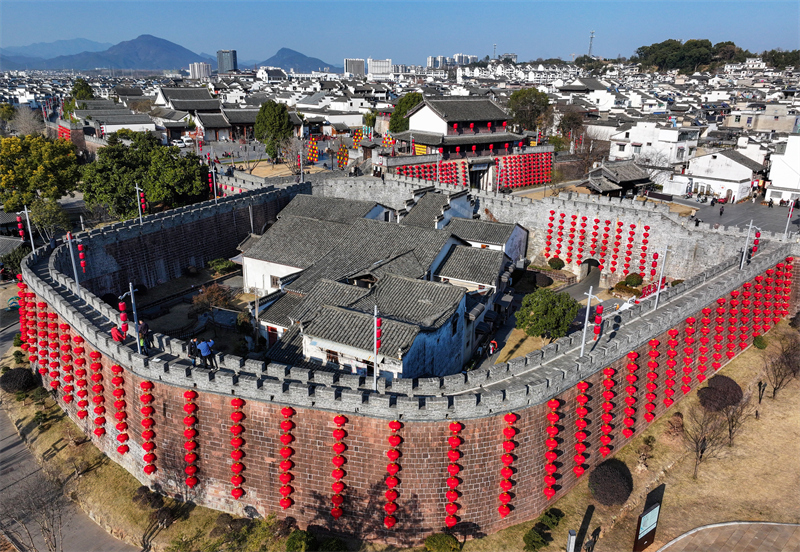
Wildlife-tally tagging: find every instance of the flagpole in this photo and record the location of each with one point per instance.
(788, 220)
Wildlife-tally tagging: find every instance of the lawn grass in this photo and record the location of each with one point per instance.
(520, 344)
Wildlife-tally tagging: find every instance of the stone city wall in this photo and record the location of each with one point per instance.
(425, 407)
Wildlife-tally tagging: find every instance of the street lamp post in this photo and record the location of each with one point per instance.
(28, 219)
(788, 220)
(139, 200)
(660, 277)
(74, 266)
(586, 320)
(122, 297)
(750, 228)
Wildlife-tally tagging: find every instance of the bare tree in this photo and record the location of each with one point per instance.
(704, 433)
(34, 513)
(656, 164)
(251, 164)
(211, 297)
(736, 414)
(784, 366)
(290, 149)
(27, 121)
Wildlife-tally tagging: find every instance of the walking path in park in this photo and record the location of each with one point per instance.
(738, 536)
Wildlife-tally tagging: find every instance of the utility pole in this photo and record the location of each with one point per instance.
(660, 277)
(122, 297)
(586, 319)
(747, 242)
(139, 201)
(788, 220)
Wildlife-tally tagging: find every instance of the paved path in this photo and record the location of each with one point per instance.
(738, 537)
(770, 220)
(81, 534)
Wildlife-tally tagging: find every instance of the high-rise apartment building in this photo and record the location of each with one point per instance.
(199, 70)
(354, 66)
(226, 61)
(379, 66)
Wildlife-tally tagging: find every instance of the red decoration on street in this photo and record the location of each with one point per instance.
(148, 423)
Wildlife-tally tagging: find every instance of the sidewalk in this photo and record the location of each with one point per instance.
(738, 536)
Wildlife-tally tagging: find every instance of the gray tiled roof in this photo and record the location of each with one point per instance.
(297, 241)
(426, 211)
(419, 302)
(327, 292)
(368, 243)
(355, 329)
(9, 244)
(742, 159)
(289, 349)
(402, 264)
(241, 116)
(186, 93)
(327, 208)
(472, 264)
(495, 233)
(195, 105)
(213, 120)
(467, 110)
(278, 312)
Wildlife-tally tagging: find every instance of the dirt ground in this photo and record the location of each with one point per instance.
(519, 344)
(755, 480)
(539, 193)
(265, 169)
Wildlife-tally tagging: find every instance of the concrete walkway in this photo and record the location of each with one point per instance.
(738, 536)
(80, 533)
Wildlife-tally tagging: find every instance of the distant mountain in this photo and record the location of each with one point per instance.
(18, 63)
(144, 52)
(288, 59)
(47, 50)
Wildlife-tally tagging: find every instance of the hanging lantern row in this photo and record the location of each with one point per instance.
(448, 173)
(312, 155)
(148, 434)
(550, 444)
(598, 321)
(82, 256)
(237, 441)
(652, 376)
(338, 461)
(453, 455)
(190, 445)
(607, 406)
(391, 480)
(98, 389)
(507, 459)
(628, 421)
(580, 422)
(119, 406)
(80, 373)
(342, 157)
(516, 171)
(670, 372)
(286, 465)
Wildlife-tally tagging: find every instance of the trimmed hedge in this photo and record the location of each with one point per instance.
(760, 342)
(301, 541)
(611, 482)
(442, 542)
(721, 392)
(556, 263)
(18, 380)
(634, 279)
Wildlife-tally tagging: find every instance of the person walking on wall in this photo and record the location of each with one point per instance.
(193, 351)
(721, 209)
(144, 331)
(207, 353)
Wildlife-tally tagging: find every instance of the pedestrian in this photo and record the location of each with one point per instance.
(771, 203)
(207, 353)
(117, 335)
(143, 345)
(193, 351)
(144, 331)
(754, 199)
(721, 209)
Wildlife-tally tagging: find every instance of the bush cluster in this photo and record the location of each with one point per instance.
(143, 496)
(622, 287)
(634, 279)
(301, 541)
(556, 263)
(721, 392)
(18, 380)
(611, 482)
(760, 342)
(222, 266)
(539, 535)
(442, 542)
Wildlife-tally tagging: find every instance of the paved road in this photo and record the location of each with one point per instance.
(80, 533)
(770, 220)
(738, 537)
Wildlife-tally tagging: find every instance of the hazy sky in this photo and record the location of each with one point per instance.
(406, 31)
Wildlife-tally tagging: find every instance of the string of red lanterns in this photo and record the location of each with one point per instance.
(148, 434)
(237, 441)
(98, 399)
(507, 459)
(628, 421)
(652, 376)
(453, 455)
(550, 444)
(338, 461)
(190, 421)
(286, 465)
(391, 480)
(120, 405)
(80, 373)
(580, 422)
(607, 406)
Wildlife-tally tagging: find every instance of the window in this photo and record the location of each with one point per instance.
(649, 144)
(621, 147)
(775, 118)
(331, 357)
(637, 149)
(737, 119)
(274, 281)
(749, 120)
(627, 135)
(680, 153)
(454, 325)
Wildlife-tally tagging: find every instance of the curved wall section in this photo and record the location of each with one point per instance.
(456, 457)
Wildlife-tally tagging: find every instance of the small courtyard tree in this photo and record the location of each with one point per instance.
(546, 314)
(704, 434)
(209, 298)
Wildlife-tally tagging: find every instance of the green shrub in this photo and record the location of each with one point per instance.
(19, 357)
(39, 418)
(556, 263)
(676, 282)
(4, 369)
(534, 540)
(551, 518)
(17, 340)
(18, 379)
(760, 342)
(301, 541)
(539, 535)
(633, 279)
(611, 482)
(333, 545)
(622, 287)
(442, 542)
(222, 266)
